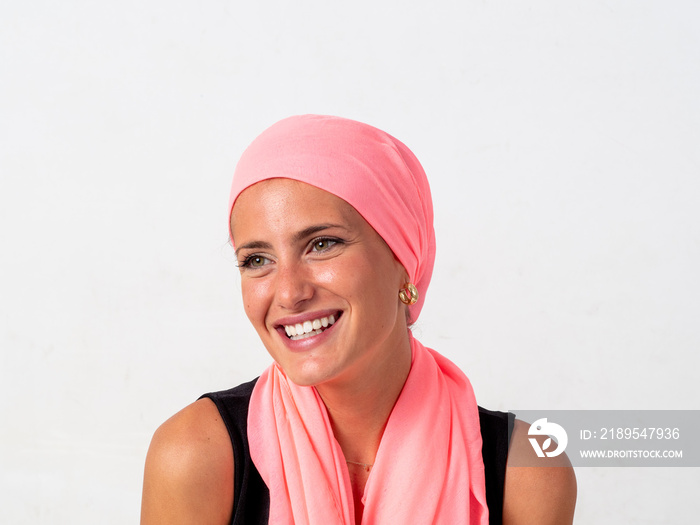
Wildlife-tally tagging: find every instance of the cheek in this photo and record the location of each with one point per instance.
(329, 274)
(375, 282)
(253, 294)
(347, 276)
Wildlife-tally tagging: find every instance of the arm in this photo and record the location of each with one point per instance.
(537, 495)
(188, 476)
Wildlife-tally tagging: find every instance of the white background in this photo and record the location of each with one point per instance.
(561, 140)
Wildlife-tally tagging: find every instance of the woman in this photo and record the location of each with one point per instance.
(356, 422)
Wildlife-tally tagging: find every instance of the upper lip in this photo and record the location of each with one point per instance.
(307, 316)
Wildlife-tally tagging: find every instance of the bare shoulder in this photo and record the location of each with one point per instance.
(541, 495)
(188, 476)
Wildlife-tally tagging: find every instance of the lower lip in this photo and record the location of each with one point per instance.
(305, 344)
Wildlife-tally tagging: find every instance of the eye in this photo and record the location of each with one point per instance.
(320, 245)
(254, 261)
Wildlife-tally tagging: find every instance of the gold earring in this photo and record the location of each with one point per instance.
(408, 294)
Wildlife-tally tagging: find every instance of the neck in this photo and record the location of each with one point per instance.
(359, 408)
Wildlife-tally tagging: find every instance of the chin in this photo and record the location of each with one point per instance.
(306, 375)
(305, 378)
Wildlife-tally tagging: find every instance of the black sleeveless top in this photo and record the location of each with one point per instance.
(251, 497)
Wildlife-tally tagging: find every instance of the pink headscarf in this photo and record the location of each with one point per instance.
(366, 167)
(428, 468)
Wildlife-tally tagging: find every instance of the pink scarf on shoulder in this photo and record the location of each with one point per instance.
(428, 469)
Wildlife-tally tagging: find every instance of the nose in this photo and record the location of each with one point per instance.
(294, 286)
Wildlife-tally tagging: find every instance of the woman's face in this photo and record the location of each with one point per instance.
(319, 284)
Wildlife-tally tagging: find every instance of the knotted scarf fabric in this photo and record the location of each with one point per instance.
(428, 469)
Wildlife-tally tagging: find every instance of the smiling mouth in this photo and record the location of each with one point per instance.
(309, 328)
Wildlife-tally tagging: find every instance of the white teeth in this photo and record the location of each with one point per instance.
(308, 328)
(304, 336)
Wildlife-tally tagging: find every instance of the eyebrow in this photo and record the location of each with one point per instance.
(254, 245)
(299, 236)
(306, 232)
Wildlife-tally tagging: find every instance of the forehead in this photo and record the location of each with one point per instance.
(288, 203)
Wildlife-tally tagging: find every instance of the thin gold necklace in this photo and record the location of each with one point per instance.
(366, 466)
